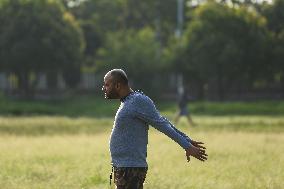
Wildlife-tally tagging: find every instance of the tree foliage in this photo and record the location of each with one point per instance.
(225, 45)
(275, 18)
(38, 36)
(136, 52)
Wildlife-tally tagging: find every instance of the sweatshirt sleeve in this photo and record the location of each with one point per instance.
(181, 133)
(147, 112)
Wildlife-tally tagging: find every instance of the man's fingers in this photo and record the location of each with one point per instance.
(201, 155)
(205, 156)
(201, 147)
(202, 151)
(201, 158)
(197, 152)
(198, 144)
(188, 158)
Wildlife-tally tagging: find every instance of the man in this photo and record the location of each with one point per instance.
(183, 109)
(129, 137)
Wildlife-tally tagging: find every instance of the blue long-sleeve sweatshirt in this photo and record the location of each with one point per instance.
(129, 137)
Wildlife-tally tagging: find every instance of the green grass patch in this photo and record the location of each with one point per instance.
(97, 106)
(273, 108)
(92, 106)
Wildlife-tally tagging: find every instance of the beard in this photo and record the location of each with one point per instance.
(112, 94)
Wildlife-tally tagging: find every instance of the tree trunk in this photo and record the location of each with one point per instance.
(24, 85)
(51, 77)
(282, 85)
(200, 92)
(220, 84)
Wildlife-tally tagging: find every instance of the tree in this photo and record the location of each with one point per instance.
(118, 15)
(275, 17)
(224, 46)
(137, 53)
(93, 39)
(104, 13)
(39, 36)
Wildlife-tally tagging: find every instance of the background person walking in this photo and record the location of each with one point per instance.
(183, 109)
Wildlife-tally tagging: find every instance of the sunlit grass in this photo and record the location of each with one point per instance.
(46, 125)
(53, 161)
(236, 160)
(42, 152)
(54, 125)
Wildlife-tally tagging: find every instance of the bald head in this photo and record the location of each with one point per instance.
(118, 76)
(116, 84)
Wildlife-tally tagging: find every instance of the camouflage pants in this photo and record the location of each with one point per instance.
(129, 177)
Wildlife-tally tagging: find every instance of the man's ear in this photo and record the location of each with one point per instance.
(117, 85)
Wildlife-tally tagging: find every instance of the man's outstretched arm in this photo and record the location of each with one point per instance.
(147, 112)
(191, 152)
(194, 143)
(196, 149)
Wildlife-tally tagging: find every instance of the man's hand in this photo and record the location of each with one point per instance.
(197, 151)
(197, 144)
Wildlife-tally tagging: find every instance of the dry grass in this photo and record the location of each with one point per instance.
(68, 153)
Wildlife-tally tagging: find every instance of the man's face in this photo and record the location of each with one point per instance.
(110, 88)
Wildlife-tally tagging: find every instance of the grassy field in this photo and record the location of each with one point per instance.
(59, 152)
(97, 106)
